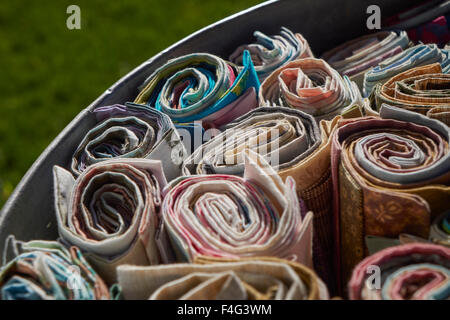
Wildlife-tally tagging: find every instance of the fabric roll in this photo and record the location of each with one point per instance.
(391, 175)
(440, 230)
(284, 136)
(355, 57)
(271, 52)
(413, 271)
(259, 278)
(46, 270)
(111, 212)
(416, 56)
(314, 186)
(231, 217)
(294, 145)
(422, 89)
(202, 86)
(312, 86)
(130, 131)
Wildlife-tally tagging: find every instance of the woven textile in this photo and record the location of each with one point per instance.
(130, 131)
(111, 212)
(46, 270)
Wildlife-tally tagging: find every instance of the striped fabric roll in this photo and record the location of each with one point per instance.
(419, 55)
(415, 271)
(312, 86)
(271, 52)
(130, 131)
(423, 89)
(294, 145)
(391, 175)
(355, 57)
(201, 86)
(231, 217)
(111, 212)
(284, 136)
(45, 270)
(259, 278)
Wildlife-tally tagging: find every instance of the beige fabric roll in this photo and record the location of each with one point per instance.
(244, 279)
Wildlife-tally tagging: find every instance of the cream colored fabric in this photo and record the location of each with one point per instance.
(111, 212)
(257, 278)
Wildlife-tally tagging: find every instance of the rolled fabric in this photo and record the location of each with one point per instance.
(231, 217)
(312, 86)
(294, 145)
(445, 64)
(284, 136)
(191, 134)
(440, 230)
(111, 212)
(440, 113)
(201, 86)
(46, 270)
(425, 23)
(130, 131)
(355, 57)
(271, 52)
(416, 56)
(259, 278)
(391, 175)
(415, 271)
(417, 15)
(422, 89)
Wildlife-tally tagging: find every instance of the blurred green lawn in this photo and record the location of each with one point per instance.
(50, 73)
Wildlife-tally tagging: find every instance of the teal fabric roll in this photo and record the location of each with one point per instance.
(202, 86)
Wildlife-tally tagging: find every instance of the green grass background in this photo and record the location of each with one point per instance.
(49, 73)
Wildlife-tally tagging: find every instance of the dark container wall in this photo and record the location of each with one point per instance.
(29, 212)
